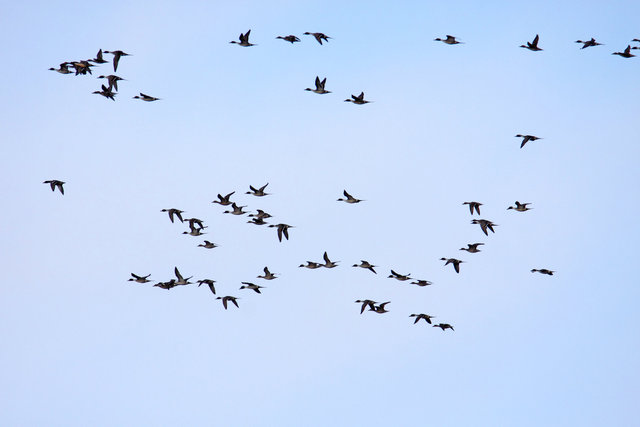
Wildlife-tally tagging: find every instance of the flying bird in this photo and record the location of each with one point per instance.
(139, 279)
(224, 201)
(588, 43)
(543, 271)
(290, 38)
(520, 207)
(359, 100)
(253, 287)
(229, 298)
(117, 54)
(319, 37)
(349, 198)
(267, 274)
(209, 283)
(527, 138)
(174, 212)
(244, 40)
(533, 46)
(366, 302)
(426, 317)
(319, 86)
(365, 264)
(400, 277)
(455, 262)
(472, 248)
(444, 326)
(283, 230)
(55, 183)
(327, 262)
(473, 205)
(627, 52)
(448, 40)
(147, 98)
(258, 192)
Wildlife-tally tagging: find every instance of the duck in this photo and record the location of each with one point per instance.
(174, 212)
(228, 298)
(259, 192)
(283, 230)
(473, 205)
(349, 198)
(224, 201)
(421, 283)
(253, 287)
(319, 86)
(448, 40)
(543, 271)
(55, 183)
(181, 280)
(319, 36)
(209, 283)
(260, 214)
(166, 285)
(380, 308)
(244, 40)
(208, 245)
(117, 54)
(365, 264)
(444, 326)
(520, 207)
(81, 67)
(589, 43)
(365, 303)
(311, 265)
(456, 263)
(64, 68)
(426, 317)
(106, 92)
(472, 248)
(290, 38)
(627, 52)
(527, 138)
(400, 277)
(146, 98)
(139, 279)
(237, 210)
(194, 231)
(533, 46)
(257, 221)
(113, 81)
(485, 225)
(327, 262)
(195, 222)
(99, 59)
(267, 274)
(359, 100)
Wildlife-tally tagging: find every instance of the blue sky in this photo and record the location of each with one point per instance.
(82, 345)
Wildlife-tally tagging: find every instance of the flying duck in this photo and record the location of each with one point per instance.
(455, 262)
(147, 98)
(588, 43)
(319, 37)
(319, 86)
(365, 303)
(229, 298)
(208, 245)
(209, 283)
(283, 230)
(472, 248)
(534, 45)
(484, 225)
(244, 40)
(259, 192)
(290, 38)
(473, 205)
(359, 100)
(253, 287)
(365, 264)
(448, 40)
(311, 265)
(181, 280)
(106, 92)
(444, 326)
(257, 221)
(116, 57)
(327, 262)
(224, 201)
(113, 81)
(520, 207)
(177, 212)
(55, 183)
(627, 52)
(426, 317)
(380, 308)
(237, 210)
(139, 279)
(422, 283)
(527, 138)
(99, 59)
(400, 277)
(349, 198)
(543, 271)
(267, 274)
(64, 68)
(261, 214)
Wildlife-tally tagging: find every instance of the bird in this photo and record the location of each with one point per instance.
(444, 326)
(166, 285)
(359, 100)
(283, 230)
(257, 221)
(106, 92)
(195, 223)
(181, 280)
(327, 262)
(448, 40)
(380, 308)
(209, 283)
(224, 201)
(244, 40)
(627, 52)
(64, 68)
(426, 317)
(260, 214)
(365, 303)
(455, 262)
(237, 210)
(267, 274)
(139, 279)
(147, 98)
(177, 212)
(253, 287)
(229, 298)
(485, 225)
(311, 265)
(99, 59)
(520, 207)
(319, 37)
(472, 248)
(422, 283)
(291, 38)
(259, 192)
(194, 231)
(588, 43)
(319, 86)
(473, 205)
(349, 198)
(113, 80)
(117, 54)
(400, 277)
(55, 183)
(81, 67)
(543, 271)
(365, 264)
(533, 45)
(527, 138)
(208, 245)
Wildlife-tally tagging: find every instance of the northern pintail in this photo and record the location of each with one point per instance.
(106, 92)
(327, 262)
(99, 59)
(366, 302)
(627, 52)
(319, 86)
(81, 67)
(527, 138)
(444, 326)
(117, 54)
(258, 192)
(146, 98)
(473, 205)
(224, 201)
(319, 36)
(113, 81)
(543, 271)
(422, 283)
(311, 265)
(456, 263)
(55, 183)
(267, 274)
(209, 283)
(244, 40)
(400, 277)
(194, 231)
(227, 299)
(448, 40)
(237, 210)
(208, 245)
(380, 308)
(349, 198)
(589, 43)
(365, 264)
(166, 285)
(252, 286)
(181, 280)
(260, 214)
(533, 45)
(139, 279)
(177, 212)
(290, 38)
(359, 100)
(426, 317)
(283, 230)
(257, 221)
(64, 68)
(195, 223)
(485, 225)
(520, 207)
(472, 248)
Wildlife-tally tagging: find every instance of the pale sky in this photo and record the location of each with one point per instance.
(84, 346)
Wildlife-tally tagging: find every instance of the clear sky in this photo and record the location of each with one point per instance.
(83, 346)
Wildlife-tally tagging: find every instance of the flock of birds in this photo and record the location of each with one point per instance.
(259, 217)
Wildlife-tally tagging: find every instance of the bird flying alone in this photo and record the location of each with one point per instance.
(55, 183)
(543, 271)
(349, 198)
(527, 138)
(448, 40)
(533, 46)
